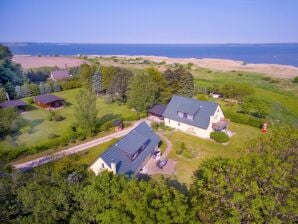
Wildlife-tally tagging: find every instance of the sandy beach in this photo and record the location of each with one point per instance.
(278, 71)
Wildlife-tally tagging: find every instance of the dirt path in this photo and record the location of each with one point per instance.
(75, 149)
(169, 145)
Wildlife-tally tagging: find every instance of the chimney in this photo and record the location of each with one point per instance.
(113, 167)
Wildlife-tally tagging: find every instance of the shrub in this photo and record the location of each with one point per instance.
(51, 136)
(295, 80)
(57, 118)
(51, 115)
(219, 137)
(154, 125)
(243, 119)
(30, 100)
(202, 97)
(106, 126)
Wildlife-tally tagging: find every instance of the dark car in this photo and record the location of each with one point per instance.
(161, 163)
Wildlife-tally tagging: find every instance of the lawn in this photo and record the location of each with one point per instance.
(33, 126)
(207, 149)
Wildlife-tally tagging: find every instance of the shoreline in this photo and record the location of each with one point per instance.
(274, 70)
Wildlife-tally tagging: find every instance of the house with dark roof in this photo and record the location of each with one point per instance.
(49, 101)
(59, 75)
(194, 116)
(156, 112)
(129, 155)
(19, 104)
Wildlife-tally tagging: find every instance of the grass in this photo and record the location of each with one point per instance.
(206, 149)
(34, 127)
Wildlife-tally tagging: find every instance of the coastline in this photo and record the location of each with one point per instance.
(274, 70)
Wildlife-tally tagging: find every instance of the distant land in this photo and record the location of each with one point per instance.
(282, 54)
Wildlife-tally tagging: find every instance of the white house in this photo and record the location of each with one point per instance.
(194, 116)
(59, 75)
(130, 154)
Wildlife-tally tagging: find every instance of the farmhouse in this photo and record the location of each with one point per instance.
(59, 75)
(130, 154)
(156, 112)
(19, 104)
(49, 101)
(194, 116)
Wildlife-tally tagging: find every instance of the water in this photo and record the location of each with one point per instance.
(286, 54)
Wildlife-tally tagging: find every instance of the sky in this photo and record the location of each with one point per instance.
(149, 21)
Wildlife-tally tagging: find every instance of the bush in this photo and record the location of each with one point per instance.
(295, 80)
(57, 118)
(30, 100)
(51, 136)
(51, 115)
(154, 125)
(106, 126)
(202, 97)
(219, 137)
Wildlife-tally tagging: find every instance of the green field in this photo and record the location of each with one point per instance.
(207, 149)
(33, 126)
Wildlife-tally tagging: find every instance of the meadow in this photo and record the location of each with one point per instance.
(33, 127)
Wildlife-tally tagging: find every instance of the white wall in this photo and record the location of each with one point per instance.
(203, 133)
(96, 167)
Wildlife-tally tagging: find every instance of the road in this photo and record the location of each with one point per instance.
(75, 149)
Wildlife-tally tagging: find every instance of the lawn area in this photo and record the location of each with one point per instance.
(34, 127)
(207, 149)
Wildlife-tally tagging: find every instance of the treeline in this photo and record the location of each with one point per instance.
(259, 187)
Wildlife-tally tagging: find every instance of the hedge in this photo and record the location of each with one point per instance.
(219, 137)
(243, 119)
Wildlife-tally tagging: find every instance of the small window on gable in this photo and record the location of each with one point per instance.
(102, 165)
(178, 123)
(180, 114)
(189, 117)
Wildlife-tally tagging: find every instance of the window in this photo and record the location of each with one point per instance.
(180, 114)
(189, 117)
(178, 123)
(103, 165)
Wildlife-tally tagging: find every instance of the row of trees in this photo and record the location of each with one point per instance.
(259, 187)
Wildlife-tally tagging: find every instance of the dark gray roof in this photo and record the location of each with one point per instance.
(127, 145)
(13, 103)
(202, 110)
(47, 98)
(157, 109)
(60, 75)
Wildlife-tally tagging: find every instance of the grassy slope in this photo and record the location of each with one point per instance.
(41, 127)
(207, 149)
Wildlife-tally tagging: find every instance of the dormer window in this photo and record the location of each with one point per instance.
(180, 114)
(189, 117)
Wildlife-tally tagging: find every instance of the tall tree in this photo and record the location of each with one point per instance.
(108, 74)
(42, 88)
(19, 93)
(7, 117)
(119, 85)
(85, 74)
(56, 87)
(96, 83)
(48, 87)
(86, 111)
(142, 92)
(2, 94)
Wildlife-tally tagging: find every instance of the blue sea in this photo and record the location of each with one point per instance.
(286, 54)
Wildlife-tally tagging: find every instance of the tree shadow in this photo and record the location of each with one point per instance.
(30, 108)
(66, 103)
(173, 182)
(106, 118)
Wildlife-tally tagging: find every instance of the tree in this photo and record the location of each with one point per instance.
(19, 93)
(96, 83)
(3, 96)
(119, 85)
(257, 106)
(237, 90)
(108, 74)
(256, 188)
(86, 111)
(56, 87)
(85, 74)
(7, 117)
(48, 87)
(181, 81)
(34, 89)
(42, 88)
(142, 92)
(25, 89)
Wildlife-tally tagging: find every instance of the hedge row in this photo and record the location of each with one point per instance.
(244, 119)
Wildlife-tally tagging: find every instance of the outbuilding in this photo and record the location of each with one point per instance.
(49, 101)
(19, 104)
(156, 112)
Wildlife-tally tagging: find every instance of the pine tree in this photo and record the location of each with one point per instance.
(42, 88)
(48, 88)
(19, 92)
(25, 89)
(56, 87)
(96, 83)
